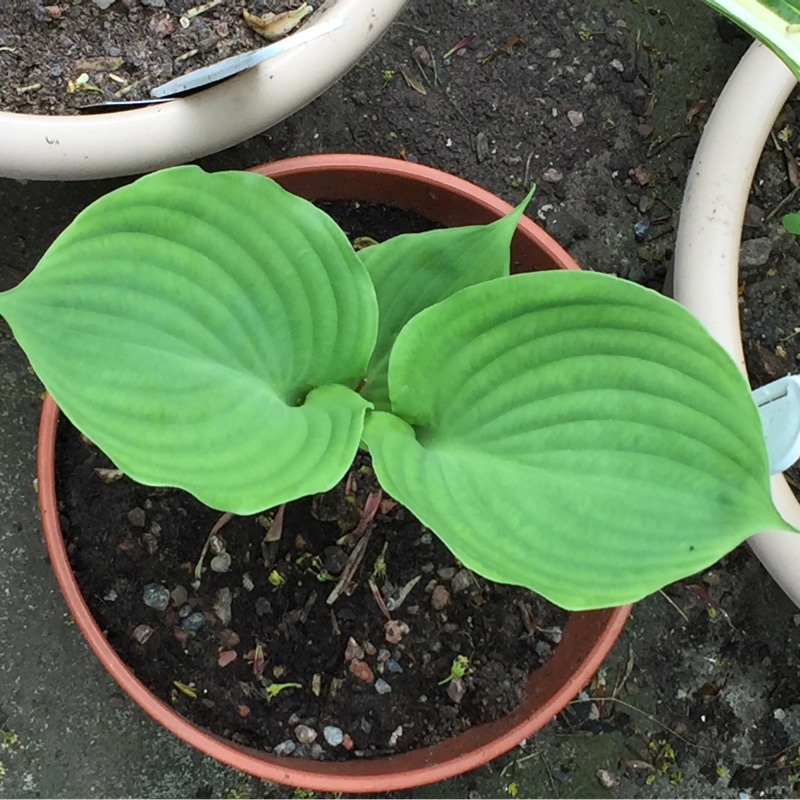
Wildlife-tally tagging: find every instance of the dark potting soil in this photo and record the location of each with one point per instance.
(378, 682)
(373, 668)
(124, 49)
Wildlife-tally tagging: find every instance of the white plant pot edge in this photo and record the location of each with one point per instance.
(42, 147)
(706, 271)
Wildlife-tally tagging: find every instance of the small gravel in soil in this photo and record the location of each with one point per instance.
(156, 596)
(333, 736)
(285, 748)
(194, 622)
(304, 734)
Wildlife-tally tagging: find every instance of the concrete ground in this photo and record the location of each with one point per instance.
(69, 732)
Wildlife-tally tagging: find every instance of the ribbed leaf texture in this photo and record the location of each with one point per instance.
(414, 271)
(573, 433)
(207, 331)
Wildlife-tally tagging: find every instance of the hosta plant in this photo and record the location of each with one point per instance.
(569, 432)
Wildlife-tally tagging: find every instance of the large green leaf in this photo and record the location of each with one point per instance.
(573, 433)
(206, 331)
(416, 270)
(774, 22)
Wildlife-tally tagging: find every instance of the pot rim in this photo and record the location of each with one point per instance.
(83, 147)
(587, 637)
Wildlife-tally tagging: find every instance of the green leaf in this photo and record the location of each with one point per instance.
(416, 270)
(792, 223)
(774, 22)
(206, 331)
(572, 433)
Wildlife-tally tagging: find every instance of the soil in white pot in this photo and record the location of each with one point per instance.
(59, 57)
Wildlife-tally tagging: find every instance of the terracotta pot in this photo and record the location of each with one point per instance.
(587, 637)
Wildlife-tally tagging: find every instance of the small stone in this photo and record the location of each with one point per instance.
(243, 711)
(446, 573)
(383, 655)
(179, 596)
(543, 650)
(393, 666)
(395, 631)
(362, 671)
(156, 596)
(333, 736)
(381, 687)
(284, 748)
(462, 581)
(575, 118)
(142, 633)
(421, 52)
(216, 545)
(639, 175)
(481, 147)
(304, 734)
(753, 216)
(370, 649)
(426, 538)
(755, 252)
(334, 559)
(617, 66)
(440, 597)
(353, 651)
(316, 751)
(136, 517)
(193, 622)
(221, 563)
(554, 53)
(247, 582)
(184, 611)
(154, 3)
(111, 596)
(301, 751)
(222, 606)
(103, 4)
(779, 714)
(347, 742)
(644, 131)
(456, 690)
(552, 175)
(397, 734)
(640, 229)
(226, 657)
(646, 203)
(605, 779)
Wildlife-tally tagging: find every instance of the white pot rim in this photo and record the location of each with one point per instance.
(706, 272)
(80, 147)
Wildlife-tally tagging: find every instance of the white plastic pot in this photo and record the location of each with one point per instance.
(706, 272)
(118, 143)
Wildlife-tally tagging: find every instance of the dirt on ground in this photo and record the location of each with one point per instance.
(601, 105)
